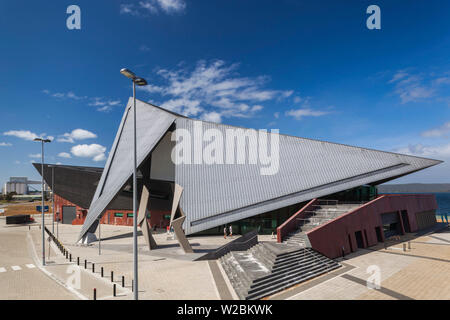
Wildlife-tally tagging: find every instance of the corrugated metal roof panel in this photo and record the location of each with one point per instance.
(151, 123)
(222, 193)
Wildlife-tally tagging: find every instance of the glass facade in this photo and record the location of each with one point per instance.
(265, 223)
(268, 222)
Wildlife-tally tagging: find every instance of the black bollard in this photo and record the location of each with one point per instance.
(78, 261)
(70, 257)
(123, 281)
(85, 263)
(95, 294)
(112, 276)
(114, 290)
(132, 285)
(101, 272)
(93, 267)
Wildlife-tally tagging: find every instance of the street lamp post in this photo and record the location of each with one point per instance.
(53, 198)
(42, 141)
(140, 82)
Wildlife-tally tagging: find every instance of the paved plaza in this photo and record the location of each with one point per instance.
(422, 272)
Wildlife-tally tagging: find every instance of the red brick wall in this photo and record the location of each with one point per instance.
(156, 217)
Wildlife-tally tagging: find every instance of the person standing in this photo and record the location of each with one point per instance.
(444, 216)
(231, 231)
(225, 232)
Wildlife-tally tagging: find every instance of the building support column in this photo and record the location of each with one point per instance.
(177, 223)
(142, 218)
(400, 219)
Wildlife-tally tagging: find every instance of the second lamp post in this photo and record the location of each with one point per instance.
(140, 82)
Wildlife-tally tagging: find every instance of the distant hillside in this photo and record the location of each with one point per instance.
(414, 188)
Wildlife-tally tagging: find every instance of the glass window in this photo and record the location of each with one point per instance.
(118, 214)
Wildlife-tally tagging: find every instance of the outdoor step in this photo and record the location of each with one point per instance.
(272, 282)
(297, 253)
(290, 261)
(297, 263)
(235, 270)
(298, 266)
(286, 284)
(266, 261)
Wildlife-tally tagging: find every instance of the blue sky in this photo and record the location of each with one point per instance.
(310, 68)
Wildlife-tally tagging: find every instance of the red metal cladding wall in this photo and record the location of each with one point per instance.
(330, 238)
(156, 217)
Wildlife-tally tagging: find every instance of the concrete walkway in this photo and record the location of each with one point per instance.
(422, 272)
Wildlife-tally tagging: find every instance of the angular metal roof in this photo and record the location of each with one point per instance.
(218, 194)
(78, 184)
(151, 123)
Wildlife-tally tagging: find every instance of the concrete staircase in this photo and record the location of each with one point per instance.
(322, 213)
(269, 267)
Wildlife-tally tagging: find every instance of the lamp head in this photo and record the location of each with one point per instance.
(140, 81)
(128, 73)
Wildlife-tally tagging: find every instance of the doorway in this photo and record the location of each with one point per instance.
(359, 239)
(69, 213)
(406, 221)
(378, 232)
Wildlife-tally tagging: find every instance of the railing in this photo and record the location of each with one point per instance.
(242, 243)
(292, 223)
(326, 202)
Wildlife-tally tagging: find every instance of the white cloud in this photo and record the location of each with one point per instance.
(438, 152)
(213, 87)
(77, 134)
(22, 134)
(35, 155)
(305, 112)
(62, 95)
(185, 106)
(297, 99)
(438, 132)
(171, 5)
(103, 105)
(64, 155)
(212, 117)
(149, 7)
(94, 151)
(417, 87)
(5, 144)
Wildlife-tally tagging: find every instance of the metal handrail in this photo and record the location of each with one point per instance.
(320, 262)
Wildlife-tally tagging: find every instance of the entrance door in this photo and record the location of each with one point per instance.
(378, 232)
(69, 213)
(391, 224)
(359, 239)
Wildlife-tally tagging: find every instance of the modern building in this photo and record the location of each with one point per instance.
(74, 188)
(214, 175)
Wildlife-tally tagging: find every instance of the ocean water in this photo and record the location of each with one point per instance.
(443, 201)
